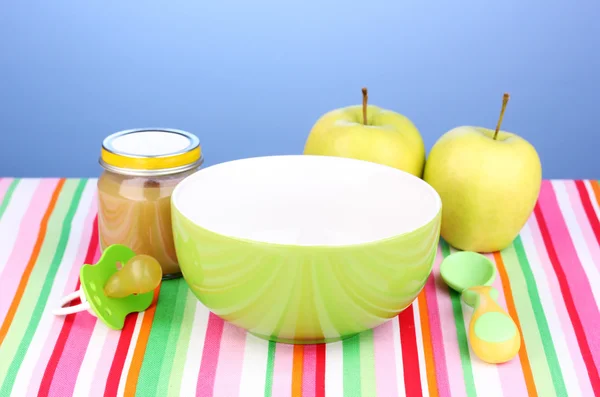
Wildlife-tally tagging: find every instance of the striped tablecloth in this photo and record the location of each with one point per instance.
(549, 280)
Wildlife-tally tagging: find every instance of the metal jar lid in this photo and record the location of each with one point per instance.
(151, 152)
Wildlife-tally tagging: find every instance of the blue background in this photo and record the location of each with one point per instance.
(251, 77)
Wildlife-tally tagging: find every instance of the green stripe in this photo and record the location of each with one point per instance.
(8, 195)
(540, 317)
(367, 363)
(35, 297)
(270, 366)
(531, 316)
(351, 358)
(174, 335)
(461, 333)
(183, 343)
(157, 341)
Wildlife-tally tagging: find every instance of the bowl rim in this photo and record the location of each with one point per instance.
(436, 216)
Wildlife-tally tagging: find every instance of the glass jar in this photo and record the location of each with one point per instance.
(141, 169)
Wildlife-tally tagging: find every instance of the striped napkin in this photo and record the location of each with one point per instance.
(549, 280)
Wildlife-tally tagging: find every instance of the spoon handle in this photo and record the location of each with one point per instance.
(493, 334)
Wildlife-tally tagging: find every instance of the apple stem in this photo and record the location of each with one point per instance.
(504, 103)
(364, 105)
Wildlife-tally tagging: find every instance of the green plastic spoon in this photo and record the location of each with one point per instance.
(493, 334)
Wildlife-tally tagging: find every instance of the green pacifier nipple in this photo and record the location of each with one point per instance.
(119, 284)
(140, 274)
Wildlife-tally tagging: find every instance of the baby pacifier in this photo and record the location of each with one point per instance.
(119, 284)
(493, 334)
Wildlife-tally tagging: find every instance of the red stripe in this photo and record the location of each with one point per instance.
(569, 302)
(59, 347)
(210, 356)
(320, 370)
(116, 368)
(589, 209)
(410, 354)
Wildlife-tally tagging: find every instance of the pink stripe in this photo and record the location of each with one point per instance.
(309, 367)
(71, 358)
(446, 318)
(583, 222)
(231, 358)
(47, 349)
(104, 362)
(435, 328)
(574, 272)
(4, 184)
(511, 376)
(70, 361)
(23, 248)
(282, 370)
(385, 360)
(210, 356)
(561, 309)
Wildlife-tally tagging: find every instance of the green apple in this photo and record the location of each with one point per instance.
(368, 133)
(489, 181)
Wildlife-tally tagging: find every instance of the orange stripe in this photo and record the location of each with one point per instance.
(297, 371)
(32, 259)
(596, 189)
(427, 346)
(140, 347)
(510, 304)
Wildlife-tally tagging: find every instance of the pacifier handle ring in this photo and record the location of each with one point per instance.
(63, 311)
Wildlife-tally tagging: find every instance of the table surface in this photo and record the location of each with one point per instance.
(549, 279)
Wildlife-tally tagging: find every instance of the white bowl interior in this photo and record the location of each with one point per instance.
(306, 200)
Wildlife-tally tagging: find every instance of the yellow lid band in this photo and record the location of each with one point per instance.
(151, 163)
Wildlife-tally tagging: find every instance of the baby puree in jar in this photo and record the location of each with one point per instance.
(141, 169)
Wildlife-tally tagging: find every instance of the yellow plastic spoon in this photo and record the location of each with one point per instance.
(493, 334)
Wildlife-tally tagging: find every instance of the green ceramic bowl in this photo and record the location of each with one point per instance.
(305, 249)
